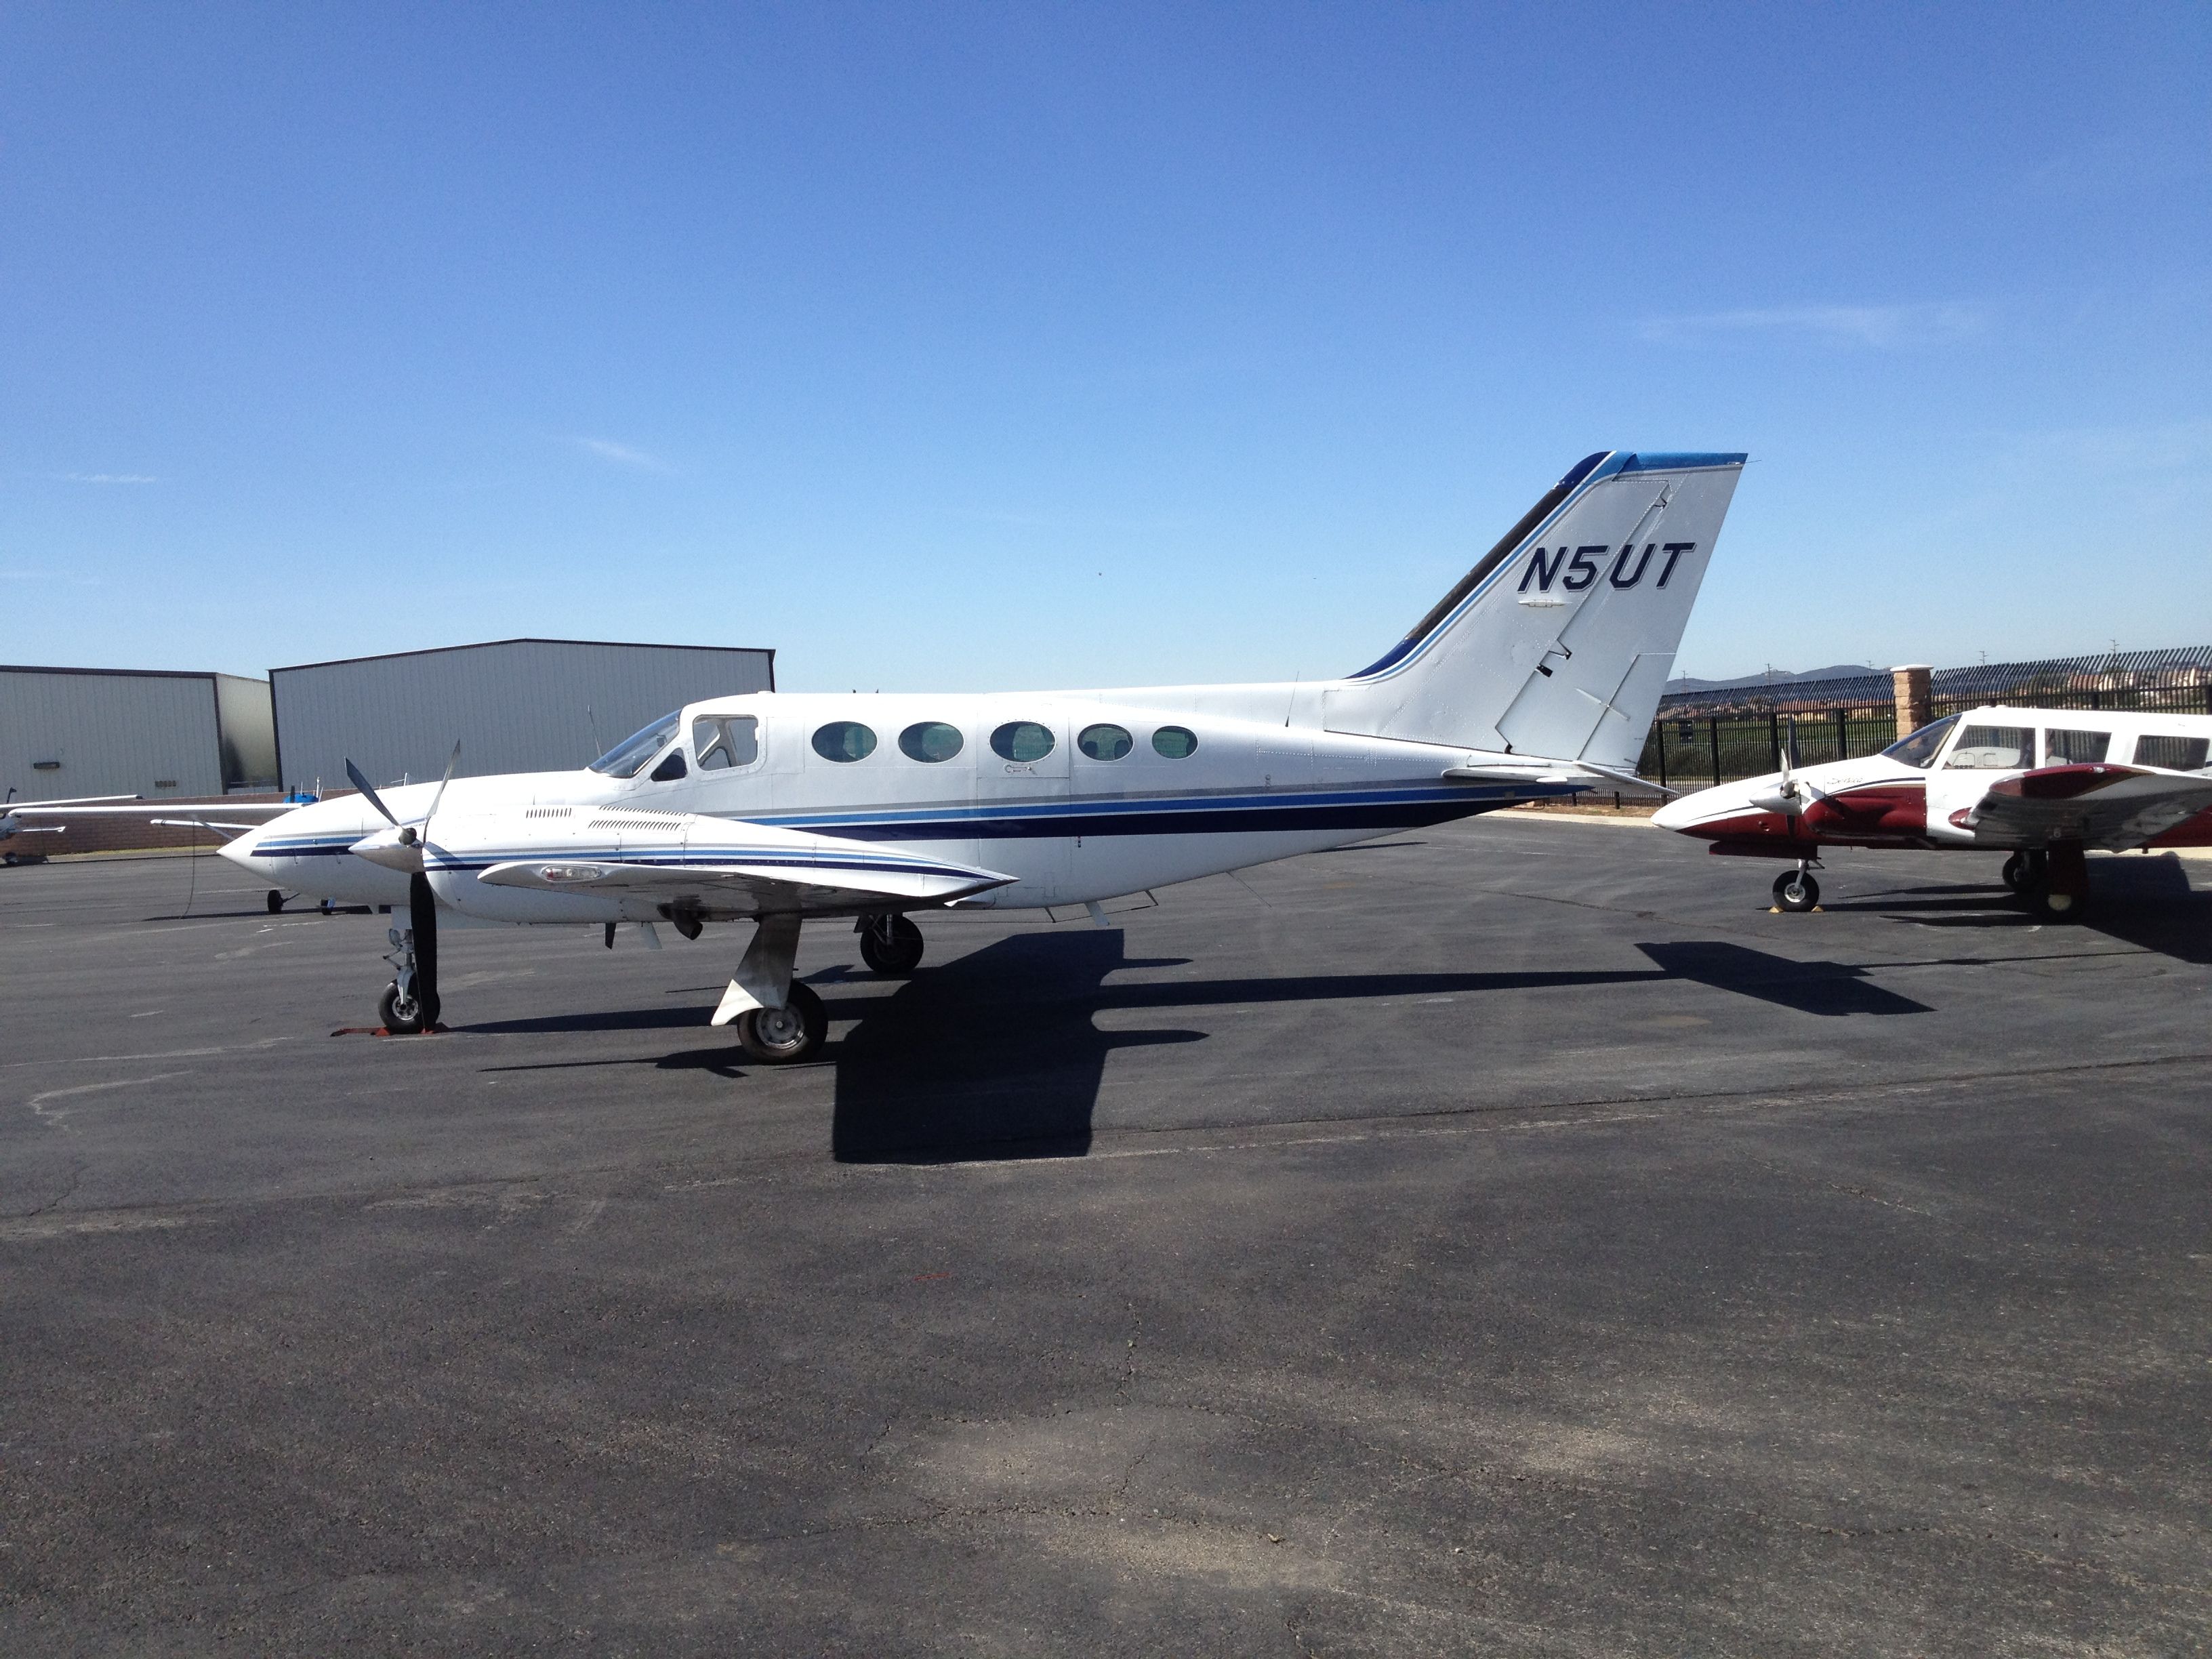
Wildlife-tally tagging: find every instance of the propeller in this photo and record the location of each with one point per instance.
(1792, 794)
(400, 848)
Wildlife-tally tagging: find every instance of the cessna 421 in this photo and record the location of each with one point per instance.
(2110, 782)
(1537, 675)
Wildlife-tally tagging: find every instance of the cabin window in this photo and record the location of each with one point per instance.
(1176, 741)
(2174, 754)
(627, 759)
(1919, 749)
(844, 740)
(930, 742)
(1993, 748)
(1022, 740)
(2074, 748)
(1107, 743)
(671, 769)
(721, 742)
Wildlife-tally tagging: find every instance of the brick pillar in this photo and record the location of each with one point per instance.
(1910, 686)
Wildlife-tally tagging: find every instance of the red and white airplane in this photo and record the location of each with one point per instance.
(2044, 785)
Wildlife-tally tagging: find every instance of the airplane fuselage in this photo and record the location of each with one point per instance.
(1926, 791)
(1076, 796)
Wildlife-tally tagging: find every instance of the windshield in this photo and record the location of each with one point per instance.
(1919, 750)
(626, 758)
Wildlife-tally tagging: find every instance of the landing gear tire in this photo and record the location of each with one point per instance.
(276, 901)
(891, 945)
(403, 1014)
(2057, 906)
(785, 1036)
(2024, 871)
(1796, 891)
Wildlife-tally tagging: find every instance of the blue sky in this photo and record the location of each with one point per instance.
(975, 346)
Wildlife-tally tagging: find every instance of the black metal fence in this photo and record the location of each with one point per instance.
(1718, 736)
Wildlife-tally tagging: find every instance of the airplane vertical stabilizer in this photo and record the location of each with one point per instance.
(1557, 642)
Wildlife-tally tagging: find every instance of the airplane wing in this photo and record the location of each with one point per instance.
(827, 882)
(53, 809)
(2114, 807)
(12, 803)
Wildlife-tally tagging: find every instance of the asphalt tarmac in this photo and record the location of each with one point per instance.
(1508, 1238)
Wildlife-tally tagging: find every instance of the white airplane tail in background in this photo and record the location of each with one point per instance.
(1558, 641)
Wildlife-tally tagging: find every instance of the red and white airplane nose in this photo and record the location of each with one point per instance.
(1686, 812)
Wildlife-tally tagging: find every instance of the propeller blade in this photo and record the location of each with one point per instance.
(452, 761)
(423, 917)
(369, 790)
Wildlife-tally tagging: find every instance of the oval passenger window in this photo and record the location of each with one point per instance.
(1105, 742)
(1022, 740)
(1176, 741)
(930, 741)
(844, 740)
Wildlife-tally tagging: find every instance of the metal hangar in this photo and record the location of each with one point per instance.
(526, 705)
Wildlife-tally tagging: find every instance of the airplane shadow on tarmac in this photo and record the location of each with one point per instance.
(999, 1055)
(2147, 902)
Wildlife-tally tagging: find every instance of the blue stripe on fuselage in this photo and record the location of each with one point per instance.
(1202, 815)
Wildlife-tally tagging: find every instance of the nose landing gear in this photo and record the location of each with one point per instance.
(409, 1003)
(890, 944)
(1794, 890)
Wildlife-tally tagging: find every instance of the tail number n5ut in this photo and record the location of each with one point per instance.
(1582, 571)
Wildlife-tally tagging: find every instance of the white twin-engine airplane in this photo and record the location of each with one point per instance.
(1537, 675)
(1972, 782)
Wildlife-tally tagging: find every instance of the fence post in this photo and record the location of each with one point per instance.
(1843, 737)
(1910, 687)
(1662, 755)
(1715, 723)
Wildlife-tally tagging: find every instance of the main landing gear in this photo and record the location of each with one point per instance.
(1795, 890)
(2054, 880)
(890, 944)
(2064, 893)
(780, 1021)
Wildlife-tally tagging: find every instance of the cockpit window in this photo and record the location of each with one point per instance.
(722, 741)
(627, 759)
(1919, 750)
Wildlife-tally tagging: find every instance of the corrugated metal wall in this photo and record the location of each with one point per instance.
(113, 733)
(513, 705)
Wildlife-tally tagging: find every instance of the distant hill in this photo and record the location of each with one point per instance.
(1844, 671)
